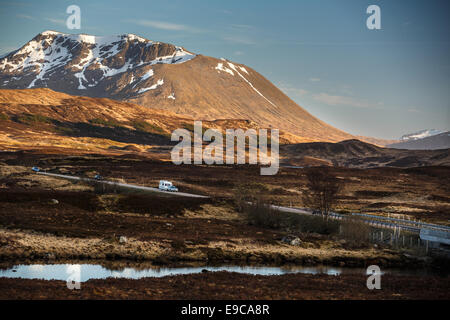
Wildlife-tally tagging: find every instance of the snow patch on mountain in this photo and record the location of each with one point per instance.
(51, 33)
(52, 50)
(420, 134)
(232, 66)
(220, 67)
(50, 56)
(153, 87)
(147, 75)
(243, 70)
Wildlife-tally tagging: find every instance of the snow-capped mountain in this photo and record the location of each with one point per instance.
(73, 63)
(420, 134)
(158, 75)
(430, 142)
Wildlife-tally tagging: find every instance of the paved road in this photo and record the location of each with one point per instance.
(292, 210)
(376, 221)
(125, 185)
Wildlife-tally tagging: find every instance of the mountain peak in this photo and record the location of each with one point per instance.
(72, 62)
(158, 75)
(50, 33)
(92, 39)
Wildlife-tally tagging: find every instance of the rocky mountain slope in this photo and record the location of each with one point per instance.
(158, 75)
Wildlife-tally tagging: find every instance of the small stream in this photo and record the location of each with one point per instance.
(84, 272)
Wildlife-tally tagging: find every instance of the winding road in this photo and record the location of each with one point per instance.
(124, 185)
(373, 220)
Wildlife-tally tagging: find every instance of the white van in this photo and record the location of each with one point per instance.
(167, 186)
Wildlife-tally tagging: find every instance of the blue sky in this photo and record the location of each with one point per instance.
(381, 83)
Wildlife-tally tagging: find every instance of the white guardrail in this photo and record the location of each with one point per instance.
(418, 224)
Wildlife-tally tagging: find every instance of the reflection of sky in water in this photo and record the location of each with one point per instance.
(92, 271)
(84, 272)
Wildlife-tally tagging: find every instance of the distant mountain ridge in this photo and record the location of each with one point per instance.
(420, 134)
(161, 76)
(433, 142)
(358, 154)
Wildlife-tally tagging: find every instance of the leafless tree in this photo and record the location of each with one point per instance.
(322, 190)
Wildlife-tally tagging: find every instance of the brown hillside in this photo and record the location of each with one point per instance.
(206, 93)
(45, 119)
(160, 76)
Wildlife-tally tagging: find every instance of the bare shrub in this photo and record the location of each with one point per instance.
(105, 188)
(313, 224)
(245, 193)
(261, 214)
(354, 229)
(241, 196)
(100, 187)
(322, 190)
(178, 244)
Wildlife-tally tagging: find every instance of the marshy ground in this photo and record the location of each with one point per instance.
(86, 222)
(226, 285)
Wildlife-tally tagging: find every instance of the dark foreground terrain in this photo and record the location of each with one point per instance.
(50, 220)
(224, 285)
(419, 193)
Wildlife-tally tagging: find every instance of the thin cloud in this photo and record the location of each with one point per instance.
(57, 21)
(238, 39)
(299, 92)
(164, 25)
(242, 26)
(292, 90)
(335, 100)
(314, 79)
(17, 3)
(6, 50)
(25, 16)
(345, 89)
(328, 99)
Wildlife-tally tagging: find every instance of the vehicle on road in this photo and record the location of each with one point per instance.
(36, 169)
(98, 177)
(167, 186)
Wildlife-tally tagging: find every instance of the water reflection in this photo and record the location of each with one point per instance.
(85, 272)
(95, 271)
